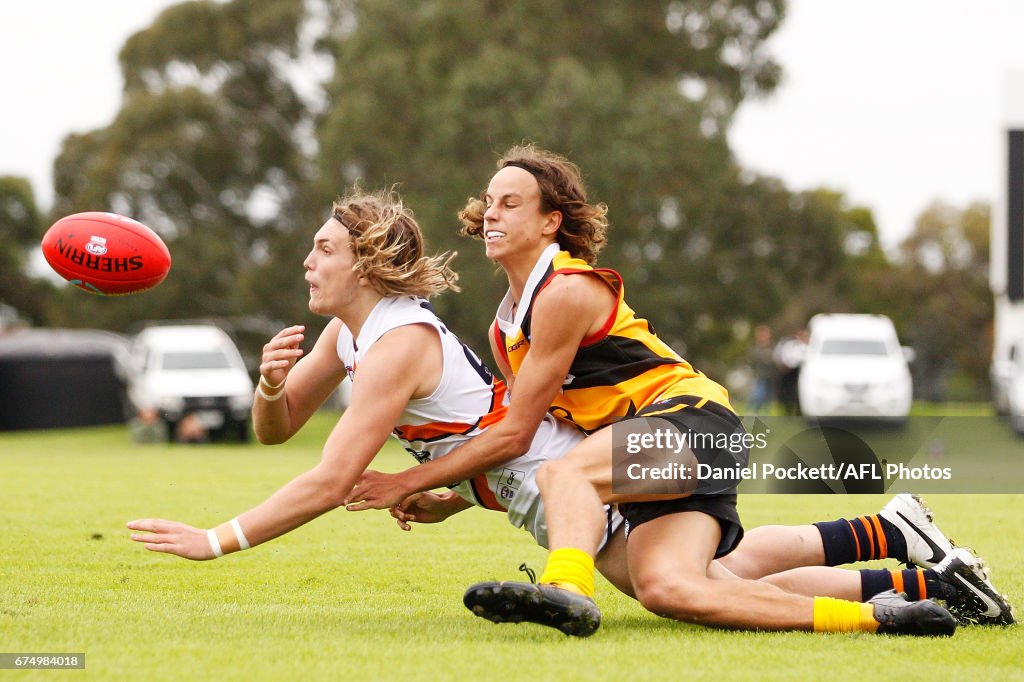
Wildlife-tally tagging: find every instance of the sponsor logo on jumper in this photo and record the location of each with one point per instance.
(97, 262)
(515, 345)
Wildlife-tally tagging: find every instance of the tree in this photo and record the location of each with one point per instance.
(640, 95)
(214, 149)
(944, 306)
(207, 149)
(21, 228)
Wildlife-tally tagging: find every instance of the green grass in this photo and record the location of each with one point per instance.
(350, 595)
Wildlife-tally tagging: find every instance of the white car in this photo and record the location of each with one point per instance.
(191, 369)
(855, 367)
(1002, 374)
(1014, 386)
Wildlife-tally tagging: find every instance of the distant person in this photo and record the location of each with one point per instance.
(761, 361)
(147, 426)
(789, 356)
(191, 430)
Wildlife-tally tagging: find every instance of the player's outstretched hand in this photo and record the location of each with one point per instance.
(281, 353)
(424, 508)
(376, 490)
(173, 538)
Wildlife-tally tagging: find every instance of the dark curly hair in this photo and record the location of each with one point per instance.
(584, 225)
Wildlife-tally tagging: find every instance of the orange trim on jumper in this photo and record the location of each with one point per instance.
(435, 430)
(883, 544)
(871, 539)
(922, 588)
(484, 494)
(897, 580)
(498, 390)
(492, 417)
(856, 540)
(432, 431)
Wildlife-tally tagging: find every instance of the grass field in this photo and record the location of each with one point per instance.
(350, 595)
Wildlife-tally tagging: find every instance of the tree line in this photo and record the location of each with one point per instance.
(241, 121)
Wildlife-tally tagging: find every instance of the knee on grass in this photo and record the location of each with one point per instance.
(681, 599)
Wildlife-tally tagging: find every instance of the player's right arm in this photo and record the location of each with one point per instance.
(403, 364)
(303, 383)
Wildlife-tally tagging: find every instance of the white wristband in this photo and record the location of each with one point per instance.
(263, 380)
(243, 543)
(267, 396)
(214, 542)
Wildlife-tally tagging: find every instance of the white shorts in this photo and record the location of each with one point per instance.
(553, 440)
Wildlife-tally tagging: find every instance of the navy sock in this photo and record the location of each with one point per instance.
(896, 543)
(861, 539)
(917, 583)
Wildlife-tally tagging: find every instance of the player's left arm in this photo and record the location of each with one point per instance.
(428, 508)
(392, 373)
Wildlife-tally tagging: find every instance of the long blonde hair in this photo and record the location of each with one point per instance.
(388, 246)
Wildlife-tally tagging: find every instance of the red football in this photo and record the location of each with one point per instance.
(106, 253)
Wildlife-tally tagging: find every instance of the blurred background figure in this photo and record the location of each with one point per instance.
(191, 430)
(761, 361)
(147, 427)
(789, 355)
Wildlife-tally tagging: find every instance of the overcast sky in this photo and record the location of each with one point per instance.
(894, 102)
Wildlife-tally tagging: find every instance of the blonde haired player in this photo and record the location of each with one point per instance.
(411, 378)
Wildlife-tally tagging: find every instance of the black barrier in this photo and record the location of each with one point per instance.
(56, 378)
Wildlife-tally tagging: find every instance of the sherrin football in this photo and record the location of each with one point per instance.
(106, 253)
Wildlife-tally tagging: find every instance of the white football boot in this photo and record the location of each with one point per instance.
(926, 544)
(975, 598)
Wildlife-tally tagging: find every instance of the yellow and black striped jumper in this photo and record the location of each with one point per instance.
(619, 370)
(624, 370)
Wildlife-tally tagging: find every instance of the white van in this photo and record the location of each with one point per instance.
(855, 367)
(191, 369)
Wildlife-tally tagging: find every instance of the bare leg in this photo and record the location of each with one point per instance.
(773, 549)
(672, 579)
(818, 581)
(810, 581)
(611, 562)
(575, 488)
(572, 488)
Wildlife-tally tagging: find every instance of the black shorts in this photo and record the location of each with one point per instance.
(720, 506)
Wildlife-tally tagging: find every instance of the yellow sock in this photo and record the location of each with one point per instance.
(839, 615)
(571, 569)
